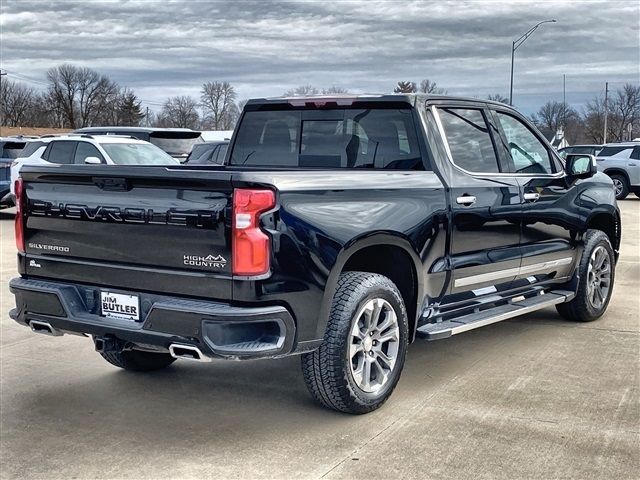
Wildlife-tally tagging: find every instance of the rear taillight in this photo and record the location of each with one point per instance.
(251, 246)
(20, 214)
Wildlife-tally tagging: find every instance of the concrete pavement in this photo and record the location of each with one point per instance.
(534, 397)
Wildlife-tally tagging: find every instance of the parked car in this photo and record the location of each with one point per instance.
(581, 149)
(10, 148)
(177, 142)
(90, 149)
(208, 153)
(340, 229)
(621, 161)
(31, 154)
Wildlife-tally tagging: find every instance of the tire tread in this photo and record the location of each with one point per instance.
(324, 368)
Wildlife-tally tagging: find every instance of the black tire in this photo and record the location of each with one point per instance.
(581, 309)
(328, 370)
(621, 185)
(138, 361)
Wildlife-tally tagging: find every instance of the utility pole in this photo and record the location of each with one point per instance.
(2, 74)
(606, 111)
(564, 100)
(147, 116)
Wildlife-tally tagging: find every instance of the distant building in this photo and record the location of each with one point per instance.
(557, 139)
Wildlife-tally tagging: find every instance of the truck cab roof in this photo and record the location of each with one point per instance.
(346, 100)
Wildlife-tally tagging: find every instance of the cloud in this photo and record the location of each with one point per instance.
(166, 48)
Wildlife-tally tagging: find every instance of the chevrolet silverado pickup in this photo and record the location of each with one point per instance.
(339, 228)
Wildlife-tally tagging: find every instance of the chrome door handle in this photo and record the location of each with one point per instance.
(466, 200)
(531, 197)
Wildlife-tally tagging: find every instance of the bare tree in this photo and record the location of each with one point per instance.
(16, 101)
(80, 94)
(405, 87)
(240, 105)
(625, 113)
(218, 100)
(623, 119)
(427, 86)
(593, 119)
(496, 97)
(333, 90)
(302, 91)
(553, 115)
(179, 112)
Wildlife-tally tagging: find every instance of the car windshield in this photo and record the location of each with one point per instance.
(137, 154)
(176, 143)
(350, 138)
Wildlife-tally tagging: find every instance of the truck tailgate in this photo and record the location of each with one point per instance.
(130, 228)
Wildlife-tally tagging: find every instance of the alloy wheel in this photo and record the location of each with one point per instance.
(599, 277)
(618, 187)
(374, 345)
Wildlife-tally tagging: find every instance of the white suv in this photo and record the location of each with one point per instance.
(621, 161)
(90, 150)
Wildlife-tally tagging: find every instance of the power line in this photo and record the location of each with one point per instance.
(151, 102)
(25, 78)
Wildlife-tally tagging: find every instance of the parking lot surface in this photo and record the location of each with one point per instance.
(533, 397)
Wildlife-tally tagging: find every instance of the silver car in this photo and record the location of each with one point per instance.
(621, 161)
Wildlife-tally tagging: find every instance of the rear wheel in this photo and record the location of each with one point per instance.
(360, 360)
(620, 186)
(596, 275)
(138, 361)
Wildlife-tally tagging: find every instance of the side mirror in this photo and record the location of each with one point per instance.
(580, 165)
(92, 161)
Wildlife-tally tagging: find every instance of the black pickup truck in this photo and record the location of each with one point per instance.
(339, 228)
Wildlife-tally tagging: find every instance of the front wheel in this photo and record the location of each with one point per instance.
(359, 362)
(596, 273)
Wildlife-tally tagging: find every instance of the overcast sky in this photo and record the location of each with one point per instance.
(162, 49)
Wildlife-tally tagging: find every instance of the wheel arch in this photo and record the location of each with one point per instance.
(618, 171)
(385, 253)
(609, 223)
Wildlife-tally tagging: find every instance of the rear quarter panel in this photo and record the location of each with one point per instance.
(325, 217)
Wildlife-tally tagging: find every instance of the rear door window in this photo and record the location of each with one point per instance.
(469, 140)
(85, 150)
(31, 148)
(351, 138)
(622, 152)
(61, 152)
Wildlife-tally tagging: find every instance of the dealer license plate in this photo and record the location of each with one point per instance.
(117, 305)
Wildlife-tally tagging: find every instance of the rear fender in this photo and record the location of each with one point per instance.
(352, 247)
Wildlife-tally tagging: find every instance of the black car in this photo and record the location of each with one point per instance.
(208, 153)
(10, 148)
(339, 229)
(177, 142)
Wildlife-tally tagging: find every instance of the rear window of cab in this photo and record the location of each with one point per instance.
(340, 138)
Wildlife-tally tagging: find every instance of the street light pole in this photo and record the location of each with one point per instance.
(515, 45)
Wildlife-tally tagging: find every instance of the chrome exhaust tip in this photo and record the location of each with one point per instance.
(187, 352)
(45, 328)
